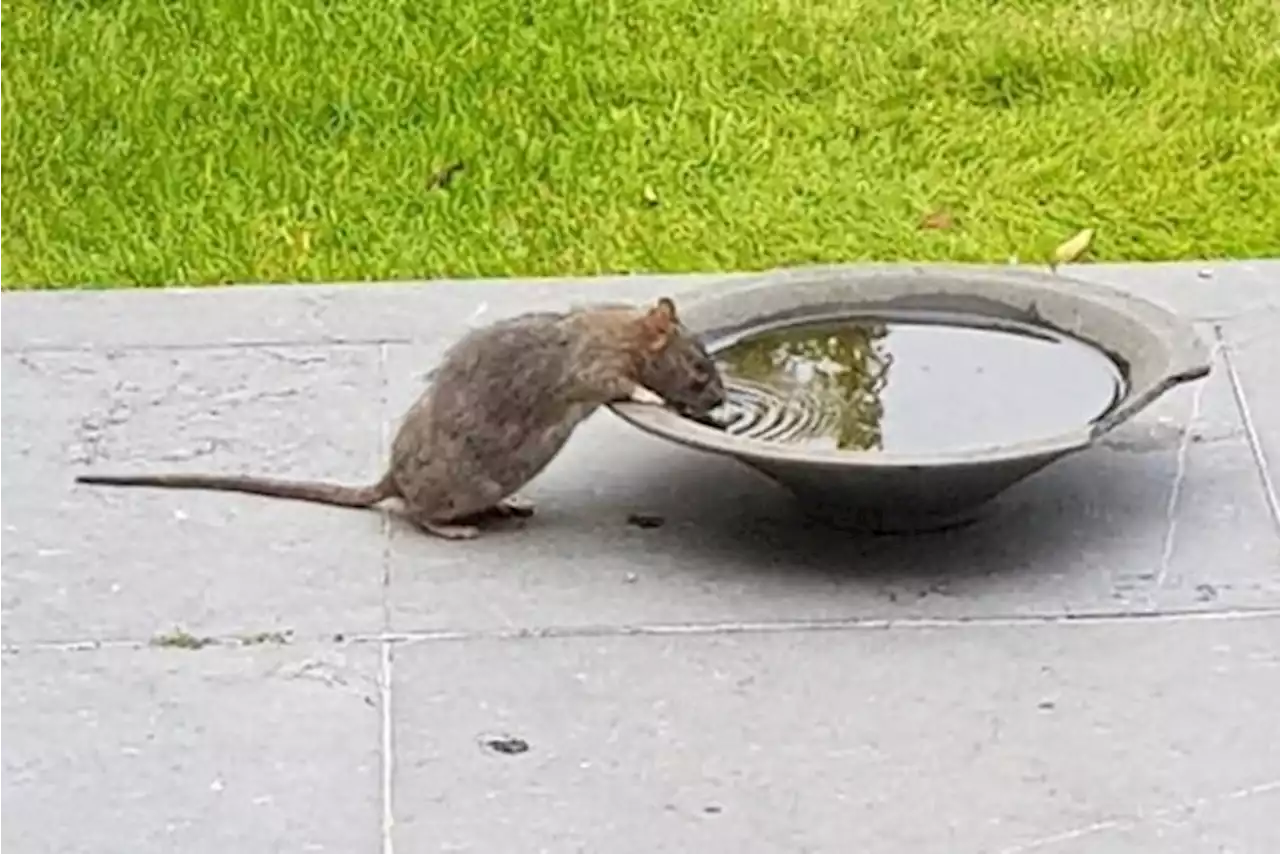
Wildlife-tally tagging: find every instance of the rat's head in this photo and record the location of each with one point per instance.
(674, 363)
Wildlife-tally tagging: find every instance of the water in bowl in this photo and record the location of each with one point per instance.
(912, 384)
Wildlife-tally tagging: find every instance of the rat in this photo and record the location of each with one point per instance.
(499, 407)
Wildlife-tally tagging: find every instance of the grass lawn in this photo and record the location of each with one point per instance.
(149, 142)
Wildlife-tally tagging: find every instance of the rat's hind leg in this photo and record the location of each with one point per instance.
(451, 532)
(438, 517)
(447, 530)
(433, 501)
(454, 500)
(459, 523)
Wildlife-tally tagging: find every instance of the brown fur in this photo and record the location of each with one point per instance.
(500, 406)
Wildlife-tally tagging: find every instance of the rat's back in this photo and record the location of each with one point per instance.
(504, 380)
(496, 412)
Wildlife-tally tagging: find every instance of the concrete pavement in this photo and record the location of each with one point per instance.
(1093, 668)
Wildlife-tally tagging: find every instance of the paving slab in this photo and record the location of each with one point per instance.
(1091, 667)
(213, 750)
(83, 562)
(980, 739)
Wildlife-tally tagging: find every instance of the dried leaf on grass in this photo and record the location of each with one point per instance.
(938, 221)
(1072, 249)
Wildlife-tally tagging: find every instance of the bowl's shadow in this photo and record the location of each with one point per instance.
(1052, 521)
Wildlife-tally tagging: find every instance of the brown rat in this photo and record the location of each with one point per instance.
(499, 407)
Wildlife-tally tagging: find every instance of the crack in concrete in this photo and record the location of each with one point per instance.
(1157, 437)
(331, 674)
(1133, 822)
(203, 447)
(91, 433)
(242, 395)
(312, 359)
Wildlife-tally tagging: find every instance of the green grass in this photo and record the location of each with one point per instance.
(149, 142)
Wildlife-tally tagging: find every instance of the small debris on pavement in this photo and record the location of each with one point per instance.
(256, 638)
(508, 745)
(181, 639)
(646, 520)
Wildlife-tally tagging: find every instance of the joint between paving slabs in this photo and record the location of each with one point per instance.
(1180, 477)
(385, 646)
(387, 747)
(384, 385)
(851, 624)
(206, 346)
(1269, 491)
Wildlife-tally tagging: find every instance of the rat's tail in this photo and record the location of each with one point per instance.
(321, 493)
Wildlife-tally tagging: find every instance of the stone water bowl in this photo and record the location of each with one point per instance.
(899, 399)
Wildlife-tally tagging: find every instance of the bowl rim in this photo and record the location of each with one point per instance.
(1186, 358)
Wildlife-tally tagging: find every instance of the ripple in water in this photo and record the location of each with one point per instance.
(911, 384)
(756, 411)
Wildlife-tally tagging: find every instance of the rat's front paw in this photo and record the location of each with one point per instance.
(640, 394)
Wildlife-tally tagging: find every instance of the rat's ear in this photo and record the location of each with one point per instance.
(667, 308)
(660, 322)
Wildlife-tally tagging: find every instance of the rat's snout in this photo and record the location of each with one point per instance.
(694, 403)
(716, 396)
(709, 398)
